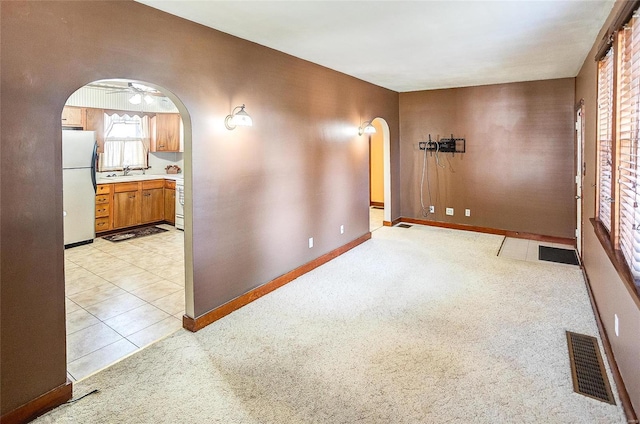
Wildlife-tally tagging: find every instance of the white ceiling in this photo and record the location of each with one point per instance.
(416, 45)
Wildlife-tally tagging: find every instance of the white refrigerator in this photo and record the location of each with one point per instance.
(79, 186)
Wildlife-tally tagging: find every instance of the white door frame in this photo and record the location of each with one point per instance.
(386, 165)
(580, 168)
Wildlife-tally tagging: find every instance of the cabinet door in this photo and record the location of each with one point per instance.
(167, 133)
(95, 122)
(126, 209)
(170, 205)
(152, 205)
(73, 117)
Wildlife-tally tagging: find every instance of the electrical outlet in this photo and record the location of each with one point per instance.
(616, 324)
(467, 212)
(432, 209)
(449, 211)
(310, 242)
(342, 229)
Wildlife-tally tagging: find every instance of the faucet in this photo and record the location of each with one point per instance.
(126, 170)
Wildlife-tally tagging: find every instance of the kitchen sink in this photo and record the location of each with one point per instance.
(130, 177)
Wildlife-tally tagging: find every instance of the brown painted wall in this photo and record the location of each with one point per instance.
(611, 296)
(517, 172)
(258, 193)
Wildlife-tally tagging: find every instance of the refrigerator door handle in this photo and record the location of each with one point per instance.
(94, 159)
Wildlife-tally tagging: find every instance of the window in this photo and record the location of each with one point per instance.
(629, 116)
(618, 128)
(126, 142)
(605, 137)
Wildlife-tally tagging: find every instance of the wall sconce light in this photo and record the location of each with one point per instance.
(366, 128)
(239, 118)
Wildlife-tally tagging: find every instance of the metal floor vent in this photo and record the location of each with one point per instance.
(587, 369)
(404, 225)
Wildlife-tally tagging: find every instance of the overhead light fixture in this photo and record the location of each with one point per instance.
(366, 128)
(240, 118)
(136, 99)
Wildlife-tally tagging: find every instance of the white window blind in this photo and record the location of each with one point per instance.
(629, 119)
(605, 138)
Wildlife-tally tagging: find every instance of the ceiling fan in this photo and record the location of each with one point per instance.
(139, 93)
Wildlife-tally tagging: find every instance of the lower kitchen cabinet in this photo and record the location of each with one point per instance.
(103, 207)
(126, 205)
(170, 201)
(122, 205)
(152, 201)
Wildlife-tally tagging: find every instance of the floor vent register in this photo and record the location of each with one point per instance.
(587, 369)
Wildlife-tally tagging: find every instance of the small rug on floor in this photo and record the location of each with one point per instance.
(135, 233)
(553, 254)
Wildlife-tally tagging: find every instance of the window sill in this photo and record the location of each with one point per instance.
(617, 259)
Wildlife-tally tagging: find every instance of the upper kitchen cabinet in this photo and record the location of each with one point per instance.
(95, 122)
(166, 133)
(73, 117)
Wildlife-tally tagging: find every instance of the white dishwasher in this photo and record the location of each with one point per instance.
(180, 204)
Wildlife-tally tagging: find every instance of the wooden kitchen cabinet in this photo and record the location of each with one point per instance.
(103, 207)
(166, 132)
(123, 205)
(74, 117)
(152, 201)
(170, 201)
(95, 122)
(126, 205)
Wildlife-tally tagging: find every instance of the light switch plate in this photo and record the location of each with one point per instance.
(310, 242)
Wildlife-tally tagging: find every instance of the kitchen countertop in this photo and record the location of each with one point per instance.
(130, 178)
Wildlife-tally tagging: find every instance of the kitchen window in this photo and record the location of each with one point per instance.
(126, 142)
(618, 131)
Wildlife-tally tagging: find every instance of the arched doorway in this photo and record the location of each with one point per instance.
(124, 292)
(379, 175)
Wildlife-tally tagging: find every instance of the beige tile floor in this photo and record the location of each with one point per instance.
(376, 217)
(120, 297)
(527, 250)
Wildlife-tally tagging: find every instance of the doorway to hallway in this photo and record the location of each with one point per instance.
(379, 185)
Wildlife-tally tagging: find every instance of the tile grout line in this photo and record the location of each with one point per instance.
(109, 257)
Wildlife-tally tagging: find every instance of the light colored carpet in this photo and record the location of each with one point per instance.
(418, 325)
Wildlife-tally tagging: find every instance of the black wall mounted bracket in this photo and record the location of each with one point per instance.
(444, 145)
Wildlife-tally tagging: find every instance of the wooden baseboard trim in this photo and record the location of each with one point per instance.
(377, 204)
(486, 230)
(39, 405)
(195, 324)
(627, 406)
(391, 223)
